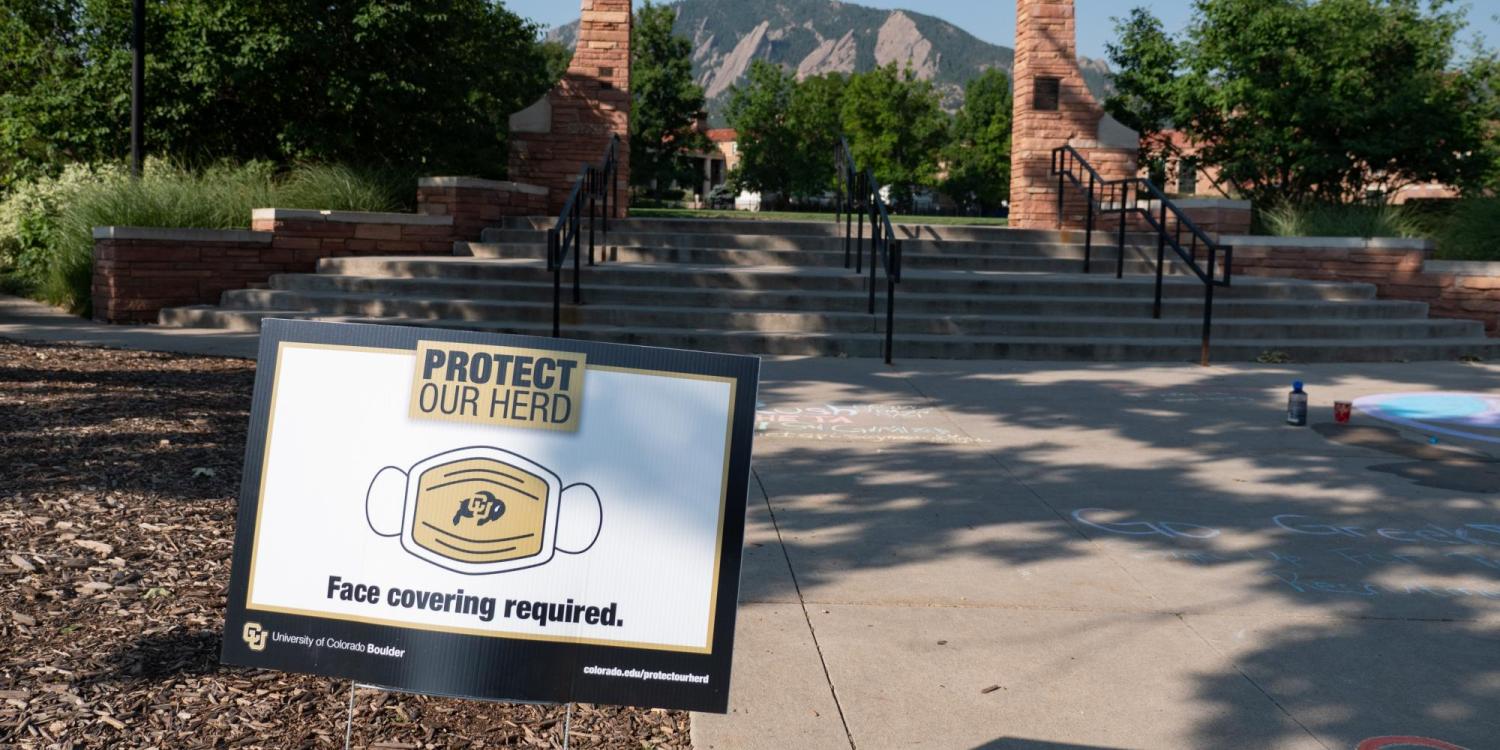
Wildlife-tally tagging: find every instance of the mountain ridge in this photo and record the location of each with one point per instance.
(813, 37)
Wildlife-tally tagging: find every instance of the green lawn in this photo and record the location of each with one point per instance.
(686, 213)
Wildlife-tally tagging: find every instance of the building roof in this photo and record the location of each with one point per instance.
(723, 135)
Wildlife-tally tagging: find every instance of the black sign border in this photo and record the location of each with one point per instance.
(496, 668)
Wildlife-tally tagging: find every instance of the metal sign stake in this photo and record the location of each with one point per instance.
(349, 720)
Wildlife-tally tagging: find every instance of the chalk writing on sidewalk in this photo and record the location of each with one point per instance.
(1336, 568)
(1345, 556)
(884, 411)
(1302, 584)
(1486, 534)
(1093, 517)
(1188, 395)
(1469, 416)
(863, 423)
(1428, 534)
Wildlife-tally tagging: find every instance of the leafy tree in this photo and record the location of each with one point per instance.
(759, 111)
(558, 57)
(1146, 60)
(895, 126)
(667, 103)
(1486, 69)
(46, 116)
(787, 130)
(1302, 101)
(816, 117)
(978, 157)
(422, 85)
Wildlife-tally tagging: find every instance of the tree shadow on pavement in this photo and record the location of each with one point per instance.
(1350, 580)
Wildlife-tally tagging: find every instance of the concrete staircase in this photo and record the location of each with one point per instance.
(781, 288)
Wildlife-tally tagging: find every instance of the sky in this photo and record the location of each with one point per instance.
(995, 20)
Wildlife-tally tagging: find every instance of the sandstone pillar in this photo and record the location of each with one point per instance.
(1053, 107)
(571, 126)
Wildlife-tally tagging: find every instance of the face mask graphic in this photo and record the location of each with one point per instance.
(482, 510)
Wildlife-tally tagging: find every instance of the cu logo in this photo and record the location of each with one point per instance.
(1405, 743)
(254, 636)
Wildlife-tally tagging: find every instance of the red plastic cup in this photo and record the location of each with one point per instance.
(1342, 410)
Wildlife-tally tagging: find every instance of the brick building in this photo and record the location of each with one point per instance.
(1181, 173)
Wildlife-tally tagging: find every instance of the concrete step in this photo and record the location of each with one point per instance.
(499, 243)
(1078, 324)
(225, 319)
(781, 288)
(853, 300)
(1135, 264)
(808, 229)
(686, 276)
(948, 346)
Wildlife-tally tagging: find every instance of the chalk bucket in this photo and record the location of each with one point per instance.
(1342, 411)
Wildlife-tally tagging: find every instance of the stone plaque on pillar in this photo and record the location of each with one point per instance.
(1047, 94)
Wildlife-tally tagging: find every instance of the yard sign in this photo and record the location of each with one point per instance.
(494, 517)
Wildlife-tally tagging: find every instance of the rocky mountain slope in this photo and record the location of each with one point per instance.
(814, 37)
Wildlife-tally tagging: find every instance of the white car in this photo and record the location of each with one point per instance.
(747, 201)
(922, 199)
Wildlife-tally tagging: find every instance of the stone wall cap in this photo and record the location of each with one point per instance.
(1228, 203)
(483, 184)
(182, 235)
(1464, 267)
(1340, 243)
(349, 217)
(1399, 243)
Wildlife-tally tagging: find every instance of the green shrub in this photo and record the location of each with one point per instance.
(1471, 231)
(337, 187)
(46, 227)
(1340, 220)
(30, 225)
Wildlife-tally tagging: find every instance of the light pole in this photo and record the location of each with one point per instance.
(137, 88)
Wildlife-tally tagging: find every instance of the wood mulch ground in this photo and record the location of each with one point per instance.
(119, 473)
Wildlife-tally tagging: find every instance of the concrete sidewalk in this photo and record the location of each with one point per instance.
(1021, 555)
(1060, 557)
(25, 320)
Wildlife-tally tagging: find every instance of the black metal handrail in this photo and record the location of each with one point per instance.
(859, 194)
(1140, 196)
(595, 186)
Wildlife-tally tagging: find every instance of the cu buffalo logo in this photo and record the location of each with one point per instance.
(483, 510)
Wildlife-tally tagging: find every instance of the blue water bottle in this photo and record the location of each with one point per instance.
(1296, 406)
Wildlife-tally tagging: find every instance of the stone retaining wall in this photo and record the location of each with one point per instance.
(1469, 290)
(1218, 218)
(1398, 268)
(476, 204)
(139, 271)
(327, 234)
